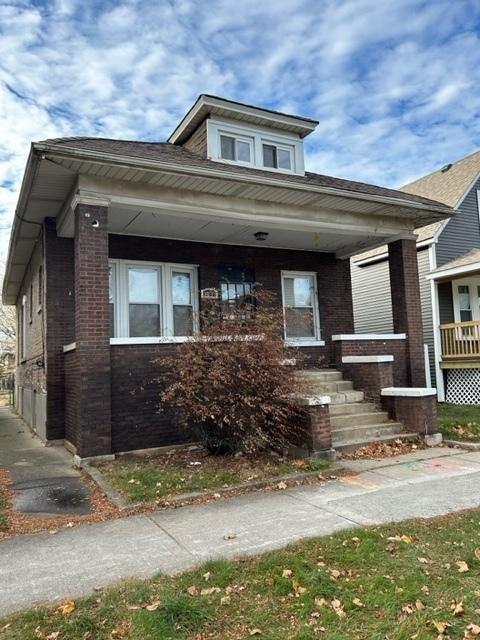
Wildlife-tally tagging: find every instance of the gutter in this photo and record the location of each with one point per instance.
(142, 163)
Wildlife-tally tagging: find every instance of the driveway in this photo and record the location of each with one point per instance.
(44, 480)
(46, 568)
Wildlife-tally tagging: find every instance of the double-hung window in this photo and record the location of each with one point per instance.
(149, 300)
(277, 157)
(236, 148)
(300, 306)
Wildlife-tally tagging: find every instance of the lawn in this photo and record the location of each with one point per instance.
(414, 580)
(3, 515)
(165, 476)
(459, 422)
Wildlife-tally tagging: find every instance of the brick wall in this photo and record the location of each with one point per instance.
(71, 405)
(396, 348)
(406, 307)
(59, 318)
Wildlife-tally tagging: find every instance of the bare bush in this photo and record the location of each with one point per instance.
(230, 383)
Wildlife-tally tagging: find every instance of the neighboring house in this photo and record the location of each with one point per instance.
(114, 242)
(449, 275)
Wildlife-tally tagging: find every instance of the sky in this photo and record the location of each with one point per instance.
(395, 84)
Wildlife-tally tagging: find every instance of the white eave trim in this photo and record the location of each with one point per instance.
(369, 336)
(408, 392)
(384, 255)
(454, 271)
(366, 359)
(207, 172)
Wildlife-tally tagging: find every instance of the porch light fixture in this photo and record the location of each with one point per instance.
(260, 236)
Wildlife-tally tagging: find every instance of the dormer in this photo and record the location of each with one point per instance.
(243, 135)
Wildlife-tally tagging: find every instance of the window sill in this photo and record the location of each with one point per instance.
(305, 343)
(179, 339)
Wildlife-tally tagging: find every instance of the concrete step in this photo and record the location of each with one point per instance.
(351, 445)
(319, 375)
(358, 419)
(366, 432)
(346, 397)
(352, 408)
(328, 387)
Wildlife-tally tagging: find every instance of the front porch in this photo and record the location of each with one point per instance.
(456, 287)
(137, 295)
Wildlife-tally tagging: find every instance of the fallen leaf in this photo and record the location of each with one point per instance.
(66, 608)
(441, 627)
(206, 576)
(425, 561)
(209, 591)
(462, 566)
(472, 631)
(192, 591)
(255, 632)
(477, 553)
(229, 536)
(225, 600)
(297, 588)
(153, 606)
(335, 573)
(320, 602)
(282, 485)
(357, 602)
(419, 605)
(287, 573)
(406, 539)
(53, 636)
(338, 607)
(121, 631)
(457, 608)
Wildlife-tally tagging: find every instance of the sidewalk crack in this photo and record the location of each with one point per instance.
(172, 537)
(322, 508)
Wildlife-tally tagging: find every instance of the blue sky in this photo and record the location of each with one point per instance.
(394, 83)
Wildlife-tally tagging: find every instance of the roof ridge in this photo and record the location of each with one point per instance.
(69, 138)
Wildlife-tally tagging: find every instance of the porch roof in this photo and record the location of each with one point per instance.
(54, 168)
(468, 263)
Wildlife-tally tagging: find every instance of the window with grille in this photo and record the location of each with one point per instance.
(236, 294)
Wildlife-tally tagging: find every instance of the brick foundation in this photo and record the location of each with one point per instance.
(370, 377)
(378, 347)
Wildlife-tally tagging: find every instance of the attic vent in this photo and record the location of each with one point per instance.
(446, 168)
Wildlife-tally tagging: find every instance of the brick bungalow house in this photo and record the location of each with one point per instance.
(114, 241)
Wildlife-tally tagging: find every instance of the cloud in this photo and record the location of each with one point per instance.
(394, 84)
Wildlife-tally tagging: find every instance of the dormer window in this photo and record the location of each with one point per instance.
(276, 157)
(236, 149)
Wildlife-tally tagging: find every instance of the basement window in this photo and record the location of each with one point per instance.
(150, 299)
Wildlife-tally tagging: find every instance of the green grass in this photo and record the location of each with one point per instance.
(459, 422)
(166, 476)
(3, 515)
(386, 589)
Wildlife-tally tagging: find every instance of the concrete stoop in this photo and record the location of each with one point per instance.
(354, 422)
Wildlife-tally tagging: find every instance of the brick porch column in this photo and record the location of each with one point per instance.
(92, 331)
(406, 307)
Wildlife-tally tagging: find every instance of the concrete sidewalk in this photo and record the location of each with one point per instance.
(44, 568)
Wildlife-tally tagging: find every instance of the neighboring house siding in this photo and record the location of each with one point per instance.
(462, 232)
(445, 302)
(426, 301)
(372, 301)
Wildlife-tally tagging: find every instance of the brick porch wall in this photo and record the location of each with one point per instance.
(396, 348)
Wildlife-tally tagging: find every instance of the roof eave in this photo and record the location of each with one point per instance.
(85, 154)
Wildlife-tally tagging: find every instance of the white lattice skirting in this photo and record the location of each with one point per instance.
(463, 386)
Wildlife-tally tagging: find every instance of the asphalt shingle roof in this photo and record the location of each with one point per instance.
(166, 152)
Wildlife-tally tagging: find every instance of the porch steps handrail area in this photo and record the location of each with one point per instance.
(460, 339)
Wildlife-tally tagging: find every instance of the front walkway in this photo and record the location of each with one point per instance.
(73, 562)
(44, 480)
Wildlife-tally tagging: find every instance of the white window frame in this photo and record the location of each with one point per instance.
(120, 283)
(258, 136)
(316, 339)
(237, 138)
(473, 284)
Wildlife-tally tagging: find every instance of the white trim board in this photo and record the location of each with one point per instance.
(369, 336)
(366, 359)
(408, 392)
